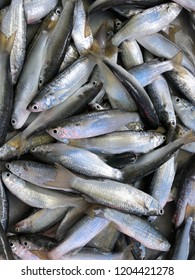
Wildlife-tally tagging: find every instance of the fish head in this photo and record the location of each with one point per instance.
(14, 242)
(42, 149)
(179, 104)
(19, 168)
(70, 131)
(7, 152)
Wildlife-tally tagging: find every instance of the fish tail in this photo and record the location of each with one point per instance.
(189, 137)
(62, 179)
(177, 59)
(6, 43)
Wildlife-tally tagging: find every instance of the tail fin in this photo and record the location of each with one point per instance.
(189, 137)
(6, 43)
(62, 179)
(177, 59)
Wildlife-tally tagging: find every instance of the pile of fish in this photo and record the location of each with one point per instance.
(97, 120)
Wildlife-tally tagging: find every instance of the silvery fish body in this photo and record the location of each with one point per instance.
(148, 22)
(14, 22)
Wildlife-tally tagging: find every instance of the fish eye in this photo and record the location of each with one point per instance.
(33, 149)
(164, 137)
(55, 131)
(94, 83)
(173, 123)
(7, 165)
(161, 211)
(17, 229)
(11, 244)
(25, 243)
(35, 107)
(8, 174)
(40, 81)
(58, 12)
(177, 99)
(13, 121)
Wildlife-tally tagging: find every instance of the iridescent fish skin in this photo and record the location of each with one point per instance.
(147, 163)
(81, 33)
(186, 196)
(118, 96)
(161, 46)
(14, 22)
(162, 181)
(81, 161)
(57, 44)
(138, 228)
(4, 207)
(78, 236)
(91, 124)
(148, 22)
(124, 197)
(5, 250)
(131, 54)
(70, 106)
(160, 95)
(21, 251)
(41, 220)
(11, 149)
(118, 142)
(63, 85)
(39, 197)
(72, 216)
(138, 93)
(27, 86)
(37, 9)
(37, 242)
(105, 4)
(185, 111)
(187, 4)
(6, 87)
(182, 241)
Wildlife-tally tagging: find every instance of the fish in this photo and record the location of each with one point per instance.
(149, 162)
(138, 93)
(162, 181)
(11, 149)
(137, 228)
(185, 199)
(91, 124)
(72, 216)
(14, 22)
(81, 32)
(79, 160)
(182, 241)
(27, 86)
(105, 4)
(124, 197)
(4, 207)
(6, 89)
(161, 46)
(136, 142)
(36, 10)
(185, 110)
(157, 17)
(63, 85)
(57, 44)
(40, 221)
(5, 249)
(187, 4)
(37, 242)
(55, 115)
(39, 197)
(78, 236)
(131, 54)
